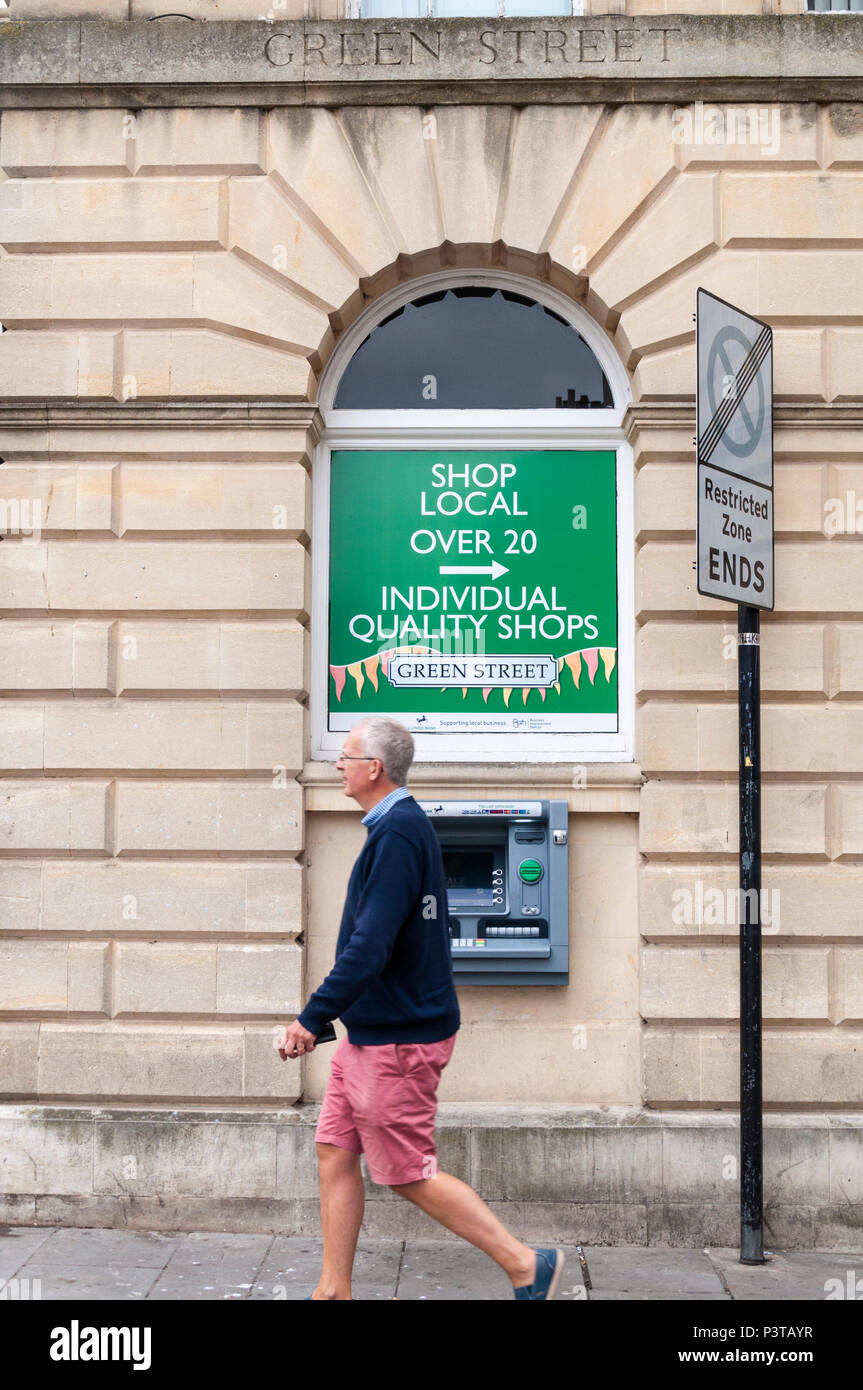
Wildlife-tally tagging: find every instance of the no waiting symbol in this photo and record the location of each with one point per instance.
(731, 400)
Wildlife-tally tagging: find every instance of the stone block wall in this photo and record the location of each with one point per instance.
(152, 729)
(171, 864)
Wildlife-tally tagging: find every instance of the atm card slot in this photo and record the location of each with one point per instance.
(504, 950)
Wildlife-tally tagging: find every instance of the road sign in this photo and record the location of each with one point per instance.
(734, 403)
(735, 538)
(734, 451)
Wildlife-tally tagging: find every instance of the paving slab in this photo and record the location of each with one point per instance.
(212, 1265)
(788, 1274)
(432, 1270)
(292, 1267)
(81, 1263)
(17, 1244)
(82, 1245)
(638, 1272)
(437, 1271)
(88, 1282)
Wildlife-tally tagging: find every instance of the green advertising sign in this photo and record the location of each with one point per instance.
(474, 591)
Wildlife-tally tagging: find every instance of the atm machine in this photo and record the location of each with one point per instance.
(507, 876)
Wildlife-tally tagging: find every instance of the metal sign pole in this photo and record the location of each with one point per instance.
(751, 1147)
(734, 539)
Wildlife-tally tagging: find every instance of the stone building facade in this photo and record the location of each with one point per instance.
(193, 216)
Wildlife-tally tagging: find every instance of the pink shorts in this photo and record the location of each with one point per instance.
(381, 1101)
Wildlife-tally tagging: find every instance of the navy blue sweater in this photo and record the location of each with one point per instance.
(392, 981)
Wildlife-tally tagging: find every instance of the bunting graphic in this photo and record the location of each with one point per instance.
(338, 675)
(573, 661)
(368, 668)
(356, 670)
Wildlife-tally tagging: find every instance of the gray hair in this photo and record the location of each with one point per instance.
(390, 741)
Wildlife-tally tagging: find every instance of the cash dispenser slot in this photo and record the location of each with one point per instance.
(506, 869)
(500, 936)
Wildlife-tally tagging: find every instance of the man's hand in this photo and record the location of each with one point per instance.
(295, 1041)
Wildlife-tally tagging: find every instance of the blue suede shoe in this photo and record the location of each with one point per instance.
(549, 1268)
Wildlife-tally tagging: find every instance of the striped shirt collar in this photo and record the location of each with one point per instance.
(384, 805)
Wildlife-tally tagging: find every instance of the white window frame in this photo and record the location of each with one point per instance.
(479, 429)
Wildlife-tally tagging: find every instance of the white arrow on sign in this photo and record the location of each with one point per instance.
(494, 569)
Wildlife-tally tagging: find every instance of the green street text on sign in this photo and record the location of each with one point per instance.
(474, 591)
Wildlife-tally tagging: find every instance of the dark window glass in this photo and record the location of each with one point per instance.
(473, 349)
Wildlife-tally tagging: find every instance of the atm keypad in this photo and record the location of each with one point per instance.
(512, 931)
(494, 930)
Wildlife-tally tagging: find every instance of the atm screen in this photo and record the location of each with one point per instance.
(468, 872)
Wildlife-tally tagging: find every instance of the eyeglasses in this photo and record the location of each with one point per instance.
(355, 758)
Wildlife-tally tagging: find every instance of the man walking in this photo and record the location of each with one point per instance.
(392, 985)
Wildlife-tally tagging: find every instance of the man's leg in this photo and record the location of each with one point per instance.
(456, 1206)
(342, 1203)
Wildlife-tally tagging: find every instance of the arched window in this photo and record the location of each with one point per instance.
(472, 547)
(473, 348)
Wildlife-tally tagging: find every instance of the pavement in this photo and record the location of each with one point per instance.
(82, 1263)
